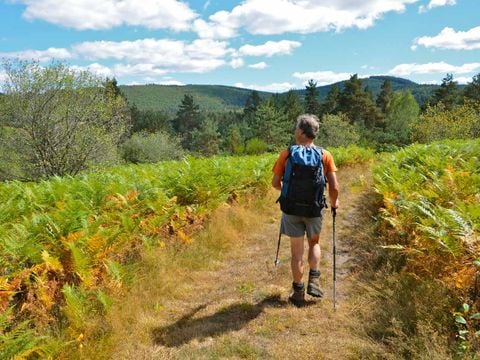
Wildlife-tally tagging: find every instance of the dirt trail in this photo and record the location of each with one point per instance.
(239, 309)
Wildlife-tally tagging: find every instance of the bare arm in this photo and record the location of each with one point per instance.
(333, 189)
(277, 182)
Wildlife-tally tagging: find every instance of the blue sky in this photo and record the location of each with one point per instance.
(269, 45)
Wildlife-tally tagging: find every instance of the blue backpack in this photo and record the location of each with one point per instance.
(303, 183)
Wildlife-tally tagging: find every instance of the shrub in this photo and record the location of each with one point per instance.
(335, 131)
(255, 146)
(149, 148)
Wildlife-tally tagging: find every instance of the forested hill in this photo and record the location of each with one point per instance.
(223, 98)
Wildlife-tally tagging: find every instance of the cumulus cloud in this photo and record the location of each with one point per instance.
(430, 68)
(450, 39)
(268, 17)
(436, 3)
(39, 55)
(95, 68)
(198, 56)
(270, 48)
(322, 77)
(237, 63)
(107, 14)
(274, 87)
(261, 65)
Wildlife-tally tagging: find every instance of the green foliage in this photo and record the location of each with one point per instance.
(336, 131)
(312, 105)
(151, 147)
(64, 120)
(255, 146)
(19, 341)
(438, 122)
(272, 126)
(358, 105)
(206, 139)
(150, 120)
(351, 155)
(448, 93)
(472, 90)
(430, 196)
(402, 113)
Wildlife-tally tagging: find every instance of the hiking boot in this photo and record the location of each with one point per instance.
(313, 288)
(297, 297)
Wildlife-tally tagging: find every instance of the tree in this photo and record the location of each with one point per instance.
(145, 147)
(62, 120)
(438, 123)
(272, 126)
(188, 119)
(252, 103)
(312, 106)
(357, 104)
(331, 101)
(292, 107)
(402, 114)
(447, 93)
(385, 96)
(472, 90)
(337, 131)
(206, 139)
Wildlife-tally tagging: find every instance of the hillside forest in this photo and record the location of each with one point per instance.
(54, 121)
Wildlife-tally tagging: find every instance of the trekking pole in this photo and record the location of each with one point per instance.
(278, 246)
(334, 214)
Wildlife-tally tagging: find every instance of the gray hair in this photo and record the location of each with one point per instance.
(309, 124)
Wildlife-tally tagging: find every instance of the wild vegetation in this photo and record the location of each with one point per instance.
(430, 230)
(109, 179)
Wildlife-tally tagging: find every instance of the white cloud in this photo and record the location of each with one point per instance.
(270, 48)
(322, 77)
(436, 3)
(214, 30)
(268, 17)
(463, 79)
(3, 76)
(450, 39)
(275, 87)
(237, 63)
(261, 65)
(431, 68)
(199, 56)
(95, 68)
(170, 82)
(106, 14)
(40, 55)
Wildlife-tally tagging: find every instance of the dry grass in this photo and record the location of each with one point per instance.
(222, 298)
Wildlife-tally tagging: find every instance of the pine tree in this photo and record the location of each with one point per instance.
(312, 106)
(206, 139)
(403, 113)
(272, 126)
(252, 103)
(292, 107)
(358, 105)
(188, 119)
(331, 101)
(447, 94)
(385, 96)
(472, 90)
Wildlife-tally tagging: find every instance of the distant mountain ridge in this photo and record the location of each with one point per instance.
(217, 98)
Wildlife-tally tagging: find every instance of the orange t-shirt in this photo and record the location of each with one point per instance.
(281, 163)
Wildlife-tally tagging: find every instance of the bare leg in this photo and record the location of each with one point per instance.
(314, 252)
(297, 250)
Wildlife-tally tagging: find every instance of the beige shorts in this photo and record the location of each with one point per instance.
(297, 226)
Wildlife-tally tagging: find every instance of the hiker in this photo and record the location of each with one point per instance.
(301, 215)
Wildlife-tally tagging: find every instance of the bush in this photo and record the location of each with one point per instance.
(149, 148)
(438, 123)
(255, 146)
(335, 131)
